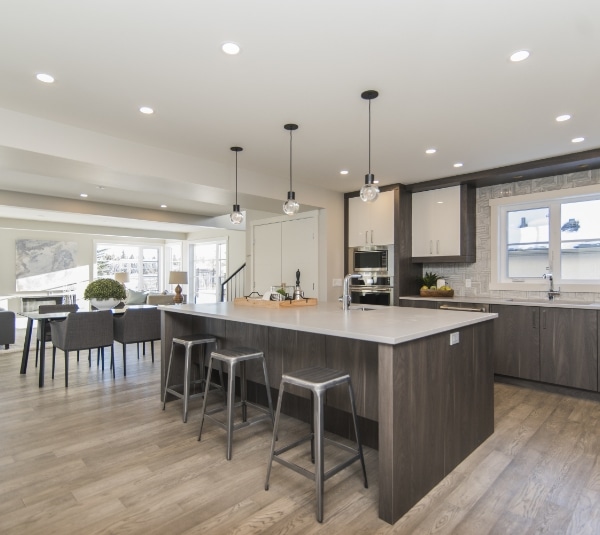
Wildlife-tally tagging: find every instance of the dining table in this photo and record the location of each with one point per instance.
(42, 320)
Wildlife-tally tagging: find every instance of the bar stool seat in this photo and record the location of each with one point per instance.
(318, 380)
(231, 358)
(183, 391)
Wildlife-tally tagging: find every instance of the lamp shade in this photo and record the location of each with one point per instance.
(122, 277)
(178, 277)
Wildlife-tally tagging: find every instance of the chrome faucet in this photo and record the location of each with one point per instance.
(347, 297)
(551, 291)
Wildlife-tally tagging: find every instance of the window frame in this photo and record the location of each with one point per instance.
(498, 239)
(140, 245)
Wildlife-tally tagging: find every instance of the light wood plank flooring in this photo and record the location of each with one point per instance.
(102, 457)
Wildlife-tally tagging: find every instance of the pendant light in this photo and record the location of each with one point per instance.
(236, 216)
(291, 207)
(369, 192)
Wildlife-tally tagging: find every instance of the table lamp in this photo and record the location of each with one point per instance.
(122, 277)
(178, 277)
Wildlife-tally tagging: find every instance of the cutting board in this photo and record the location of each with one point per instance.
(244, 301)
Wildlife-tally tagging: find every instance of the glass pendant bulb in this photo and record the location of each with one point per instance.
(369, 192)
(236, 216)
(291, 207)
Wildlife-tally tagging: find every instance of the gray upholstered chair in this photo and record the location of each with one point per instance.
(83, 330)
(137, 325)
(7, 328)
(43, 337)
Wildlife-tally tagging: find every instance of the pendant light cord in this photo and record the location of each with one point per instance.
(236, 165)
(291, 189)
(369, 136)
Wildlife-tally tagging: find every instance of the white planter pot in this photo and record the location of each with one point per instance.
(104, 304)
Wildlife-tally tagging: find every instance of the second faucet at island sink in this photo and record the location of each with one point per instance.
(347, 296)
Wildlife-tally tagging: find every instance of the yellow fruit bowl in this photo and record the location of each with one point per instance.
(436, 293)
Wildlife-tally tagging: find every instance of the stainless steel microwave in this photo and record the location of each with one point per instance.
(372, 258)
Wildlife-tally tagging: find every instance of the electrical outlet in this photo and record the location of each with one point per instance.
(467, 283)
(454, 338)
(337, 282)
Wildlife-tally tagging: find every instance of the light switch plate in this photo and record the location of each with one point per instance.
(454, 338)
(337, 282)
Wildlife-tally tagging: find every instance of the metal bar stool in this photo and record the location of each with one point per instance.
(188, 342)
(318, 381)
(231, 358)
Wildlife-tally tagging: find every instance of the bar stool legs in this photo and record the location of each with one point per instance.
(188, 342)
(318, 381)
(232, 358)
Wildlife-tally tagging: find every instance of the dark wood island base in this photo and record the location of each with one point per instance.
(424, 404)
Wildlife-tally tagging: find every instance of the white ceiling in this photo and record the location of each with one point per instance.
(442, 69)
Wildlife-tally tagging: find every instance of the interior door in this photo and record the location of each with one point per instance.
(266, 257)
(299, 251)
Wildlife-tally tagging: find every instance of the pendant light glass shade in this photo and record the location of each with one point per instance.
(369, 192)
(291, 206)
(236, 215)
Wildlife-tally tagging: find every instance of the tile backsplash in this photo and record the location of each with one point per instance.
(480, 272)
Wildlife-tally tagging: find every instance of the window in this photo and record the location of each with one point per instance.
(142, 262)
(209, 266)
(554, 232)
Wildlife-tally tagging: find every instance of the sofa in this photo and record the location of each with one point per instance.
(147, 298)
(7, 328)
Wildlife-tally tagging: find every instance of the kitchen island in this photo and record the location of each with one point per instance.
(423, 379)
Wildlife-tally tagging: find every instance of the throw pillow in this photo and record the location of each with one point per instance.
(136, 298)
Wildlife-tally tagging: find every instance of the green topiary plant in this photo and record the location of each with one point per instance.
(104, 289)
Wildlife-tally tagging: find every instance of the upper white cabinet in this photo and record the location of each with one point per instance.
(443, 225)
(371, 223)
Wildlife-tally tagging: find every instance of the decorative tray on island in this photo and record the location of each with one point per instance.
(436, 293)
(287, 303)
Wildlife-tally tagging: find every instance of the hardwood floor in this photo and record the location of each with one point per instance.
(102, 457)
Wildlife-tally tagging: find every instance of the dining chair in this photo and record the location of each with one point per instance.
(83, 330)
(136, 325)
(43, 337)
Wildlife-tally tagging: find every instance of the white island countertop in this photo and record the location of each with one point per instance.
(387, 325)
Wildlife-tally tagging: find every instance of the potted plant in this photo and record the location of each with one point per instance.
(428, 286)
(104, 293)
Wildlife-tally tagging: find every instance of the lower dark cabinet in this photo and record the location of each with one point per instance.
(559, 346)
(569, 347)
(517, 341)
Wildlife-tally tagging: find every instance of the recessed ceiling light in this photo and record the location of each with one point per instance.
(163, 205)
(519, 56)
(430, 151)
(343, 172)
(375, 181)
(578, 139)
(146, 110)
(458, 164)
(84, 195)
(564, 117)
(46, 78)
(231, 48)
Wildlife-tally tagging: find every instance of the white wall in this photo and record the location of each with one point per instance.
(150, 168)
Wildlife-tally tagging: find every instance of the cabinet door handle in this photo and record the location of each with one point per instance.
(371, 237)
(366, 237)
(533, 319)
(430, 246)
(437, 247)
(543, 319)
